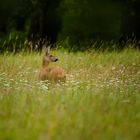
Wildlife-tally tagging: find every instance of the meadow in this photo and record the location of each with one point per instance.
(100, 99)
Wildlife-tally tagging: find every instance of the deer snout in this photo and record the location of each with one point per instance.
(56, 59)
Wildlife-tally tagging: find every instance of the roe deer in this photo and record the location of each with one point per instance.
(51, 73)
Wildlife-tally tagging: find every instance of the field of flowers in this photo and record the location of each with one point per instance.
(99, 100)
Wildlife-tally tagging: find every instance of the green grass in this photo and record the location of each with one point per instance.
(100, 99)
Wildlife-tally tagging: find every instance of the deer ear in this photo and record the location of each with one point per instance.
(47, 50)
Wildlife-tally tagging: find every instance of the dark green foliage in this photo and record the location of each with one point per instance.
(77, 23)
(91, 20)
(13, 42)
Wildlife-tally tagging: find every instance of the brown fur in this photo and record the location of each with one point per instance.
(51, 73)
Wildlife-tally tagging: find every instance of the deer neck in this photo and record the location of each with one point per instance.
(45, 64)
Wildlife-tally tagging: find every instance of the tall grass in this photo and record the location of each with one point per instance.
(100, 99)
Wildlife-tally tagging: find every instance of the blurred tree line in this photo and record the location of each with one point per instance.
(73, 21)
